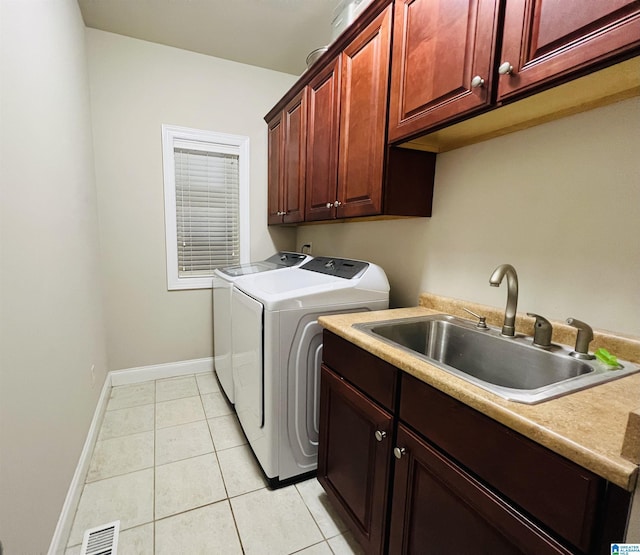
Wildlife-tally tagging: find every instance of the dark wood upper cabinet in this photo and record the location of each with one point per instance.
(350, 171)
(274, 200)
(287, 134)
(347, 170)
(453, 59)
(442, 62)
(407, 69)
(365, 77)
(322, 143)
(295, 148)
(547, 41)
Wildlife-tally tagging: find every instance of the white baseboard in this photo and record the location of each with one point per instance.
(113, 379)
(63, 528)
(160, 371)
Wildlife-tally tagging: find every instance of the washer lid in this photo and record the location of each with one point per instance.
(250, 268)
(279, 260)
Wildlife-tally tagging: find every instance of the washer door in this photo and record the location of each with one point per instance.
(247, 363)
(303, 393)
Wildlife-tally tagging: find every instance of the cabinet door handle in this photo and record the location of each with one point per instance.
(398, 452)
(505, 68)
(329, 205)
(477, 82)
(337, 203)
(380, 435)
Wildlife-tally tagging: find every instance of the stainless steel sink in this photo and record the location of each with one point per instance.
(510, 367)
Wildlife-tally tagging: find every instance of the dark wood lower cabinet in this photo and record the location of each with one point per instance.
(439, 508)
(459, 483)
(354, 458)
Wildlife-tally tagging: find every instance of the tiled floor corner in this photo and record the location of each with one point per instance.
(172, 464)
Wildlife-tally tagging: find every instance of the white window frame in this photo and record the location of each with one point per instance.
(175, 136)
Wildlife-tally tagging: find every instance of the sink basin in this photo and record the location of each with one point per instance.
(509, 367)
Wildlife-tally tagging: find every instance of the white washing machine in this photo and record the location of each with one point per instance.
(223, 279)
(277, 353)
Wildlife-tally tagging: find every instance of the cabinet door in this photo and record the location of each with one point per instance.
(322, 144)
(353, 466)
(546, 41)
(438, 508)
(275, 140)
(439, 48)
(363, 107)
(295, 145)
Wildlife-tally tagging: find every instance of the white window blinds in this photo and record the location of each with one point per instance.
(207, 211)
(206, 193)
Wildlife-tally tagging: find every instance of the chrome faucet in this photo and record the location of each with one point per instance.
(509, 326)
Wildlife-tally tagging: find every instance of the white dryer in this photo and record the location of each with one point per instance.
(277, 353)
(223, 279)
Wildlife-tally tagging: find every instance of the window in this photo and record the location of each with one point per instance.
(206, 199)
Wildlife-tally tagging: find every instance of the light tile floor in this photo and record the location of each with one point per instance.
(172, 464)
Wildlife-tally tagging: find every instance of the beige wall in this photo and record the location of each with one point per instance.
(561, 202)
(137, 86)
(50, 317)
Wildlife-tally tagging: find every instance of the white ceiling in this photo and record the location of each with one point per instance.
(275, 34)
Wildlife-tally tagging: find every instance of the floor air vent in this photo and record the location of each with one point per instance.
(102, 540)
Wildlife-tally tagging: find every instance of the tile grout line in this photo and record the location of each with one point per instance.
(213, 444)
(215, 450)
(312, 545)
(235, 523)
(315, 520)
(155, 520)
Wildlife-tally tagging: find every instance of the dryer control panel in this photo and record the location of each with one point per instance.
(338, 267)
